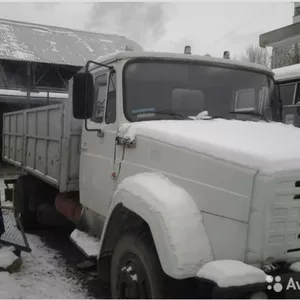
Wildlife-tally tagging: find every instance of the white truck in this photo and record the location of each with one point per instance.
(175, 162)
(288, 80)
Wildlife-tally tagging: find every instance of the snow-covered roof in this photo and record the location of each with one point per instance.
(287, 73)
(267, 147)
(48, 44)
(166, 55)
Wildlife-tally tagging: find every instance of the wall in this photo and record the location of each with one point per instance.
(286, 54)
(296, 17)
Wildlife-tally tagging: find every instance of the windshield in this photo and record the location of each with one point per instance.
(161, 89)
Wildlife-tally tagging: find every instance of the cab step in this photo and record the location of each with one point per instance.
(86, 243)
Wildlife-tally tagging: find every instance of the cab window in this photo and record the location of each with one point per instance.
(287, 92)
(245, 100)
(110, 114)
(297, 97)
(100, 98)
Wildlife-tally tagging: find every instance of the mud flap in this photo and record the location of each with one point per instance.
(9, 192)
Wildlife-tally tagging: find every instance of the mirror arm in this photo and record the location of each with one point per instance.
(98, 64)
(85, 113)
(86, 127)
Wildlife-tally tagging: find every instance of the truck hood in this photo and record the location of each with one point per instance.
(266, 147)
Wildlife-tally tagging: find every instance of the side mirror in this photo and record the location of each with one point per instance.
(83, 95)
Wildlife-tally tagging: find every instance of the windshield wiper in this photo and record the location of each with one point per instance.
(250, 113)
(170, 113)
(205, 116)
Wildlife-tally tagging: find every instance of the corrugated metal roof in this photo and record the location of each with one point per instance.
(47, 44)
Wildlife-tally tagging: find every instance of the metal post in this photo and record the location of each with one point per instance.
(5, 82)
(28, 84)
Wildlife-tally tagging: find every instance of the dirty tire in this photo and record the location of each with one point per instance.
(21, 201)
(135, 269)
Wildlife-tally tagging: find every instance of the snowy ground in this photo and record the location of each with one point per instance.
(49, 270)
(42, 275)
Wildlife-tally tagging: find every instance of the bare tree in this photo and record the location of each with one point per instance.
(256, 54)
(285, 55)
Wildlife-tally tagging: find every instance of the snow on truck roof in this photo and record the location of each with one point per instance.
(287, 73)
(266, 147)
(189, 57)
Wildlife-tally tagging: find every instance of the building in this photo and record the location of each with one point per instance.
(285, 42)
(36, 61)
(296, 17)
(38, 58)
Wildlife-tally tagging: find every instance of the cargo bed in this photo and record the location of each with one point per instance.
(44, 142)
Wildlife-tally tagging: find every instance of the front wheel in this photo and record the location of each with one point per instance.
(135, 269)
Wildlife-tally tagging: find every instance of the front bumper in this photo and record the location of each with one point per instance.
(240, 292)
(280, 284)
(208, 289)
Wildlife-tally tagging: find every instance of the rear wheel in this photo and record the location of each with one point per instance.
(135, 269)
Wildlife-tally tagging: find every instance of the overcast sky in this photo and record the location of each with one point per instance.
(209, 27)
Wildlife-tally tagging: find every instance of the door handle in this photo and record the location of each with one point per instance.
(84, 147)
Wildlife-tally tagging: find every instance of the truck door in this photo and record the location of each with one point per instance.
(97, 153)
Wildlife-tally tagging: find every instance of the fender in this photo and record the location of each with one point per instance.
(174, 219)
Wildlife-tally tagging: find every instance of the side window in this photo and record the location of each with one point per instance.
(110, 114)
(100, 97)
(287, 93)
(245, 100)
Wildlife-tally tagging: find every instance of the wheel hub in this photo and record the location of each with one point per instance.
(132, 280)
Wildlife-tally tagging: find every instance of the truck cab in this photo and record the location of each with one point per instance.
(131, 102)
(178, 165)
(288, 81)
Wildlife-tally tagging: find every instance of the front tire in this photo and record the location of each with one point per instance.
(135, 269)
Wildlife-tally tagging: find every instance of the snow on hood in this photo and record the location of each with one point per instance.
(267, 147)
